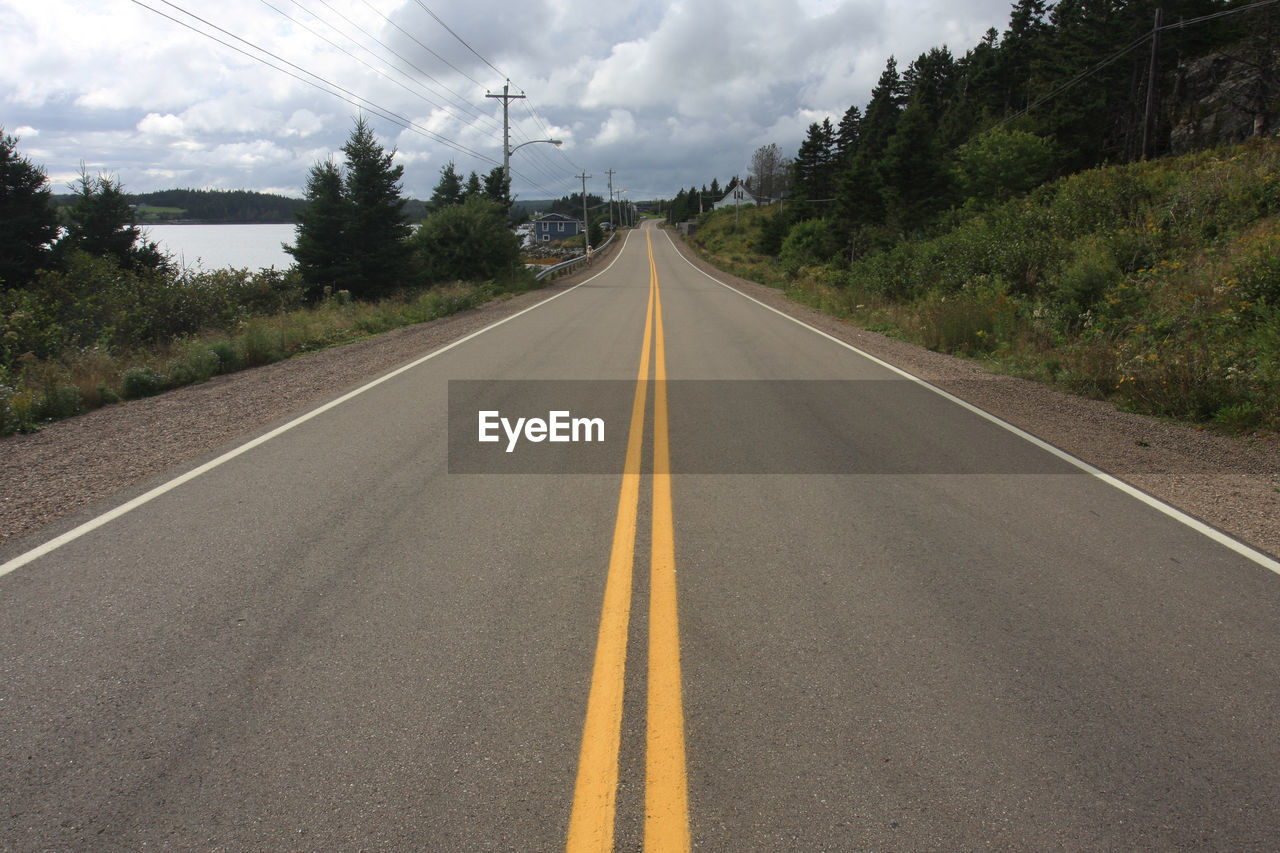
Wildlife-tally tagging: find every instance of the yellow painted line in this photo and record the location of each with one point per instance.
(595, 793)
(666, 824)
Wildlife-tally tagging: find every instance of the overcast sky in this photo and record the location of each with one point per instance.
(668, 94)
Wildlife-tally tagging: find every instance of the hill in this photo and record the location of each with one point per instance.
(1155, 284)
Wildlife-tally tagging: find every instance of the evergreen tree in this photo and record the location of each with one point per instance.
(495, 185)
(881, 118)
(377, 228)
(847, 135)
(815, 164)
(26, 209)
(449, 190)
(915, 182)
(322, 246)
(1022, 53)
(473, 188)
(103, 223)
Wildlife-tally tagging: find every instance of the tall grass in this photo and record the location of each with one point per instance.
(1156, 284)
(98, 335)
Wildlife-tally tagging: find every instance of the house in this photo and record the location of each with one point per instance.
(555, 226)
(736, 196)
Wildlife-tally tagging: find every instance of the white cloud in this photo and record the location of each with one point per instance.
(155, 124)
(667, 93)
(619, 127)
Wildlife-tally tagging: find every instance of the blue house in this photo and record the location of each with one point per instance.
(555, 226)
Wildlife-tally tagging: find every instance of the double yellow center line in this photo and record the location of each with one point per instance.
(666, 825)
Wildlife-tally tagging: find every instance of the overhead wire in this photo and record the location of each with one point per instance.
(539, 156)
(537, 160)
(460, 99)
(418, 94)
(449, 29)
(332, 88)
(1094, 69)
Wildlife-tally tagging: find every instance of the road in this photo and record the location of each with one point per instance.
(793, 600)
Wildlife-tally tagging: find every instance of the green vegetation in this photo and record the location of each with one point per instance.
(118, 334)
(1156, 285)
(969, 205)
(97, 315)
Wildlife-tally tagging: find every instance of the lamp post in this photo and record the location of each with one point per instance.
(506, 164)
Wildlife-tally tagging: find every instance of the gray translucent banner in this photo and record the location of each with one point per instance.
(730, 427)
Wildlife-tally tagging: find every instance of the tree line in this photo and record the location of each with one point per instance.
(1067, 86)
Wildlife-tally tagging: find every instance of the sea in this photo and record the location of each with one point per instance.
(212, 247)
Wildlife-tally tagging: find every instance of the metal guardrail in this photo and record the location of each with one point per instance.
(564, 266)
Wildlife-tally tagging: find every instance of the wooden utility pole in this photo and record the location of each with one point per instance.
(586, 227)
(506, 98)
(1151, 87)
(610, 173)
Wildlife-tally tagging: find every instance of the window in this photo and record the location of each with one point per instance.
(560, 226)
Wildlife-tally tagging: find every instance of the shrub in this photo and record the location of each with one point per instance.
(813, 242)
(465, 242)
(258, 345)
(138, 382)
(228, 358)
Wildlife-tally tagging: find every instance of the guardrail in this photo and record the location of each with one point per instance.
(565, 266)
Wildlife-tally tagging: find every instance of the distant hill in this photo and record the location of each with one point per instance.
(215, 206)
(222, 206)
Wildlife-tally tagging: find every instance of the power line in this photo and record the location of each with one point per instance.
(333, 88)
(1089, 72)
(421, 45)
(460, 38)
(393, 52)
(445, 108)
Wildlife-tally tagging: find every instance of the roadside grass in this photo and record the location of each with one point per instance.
(1155, 285)
(36, 389)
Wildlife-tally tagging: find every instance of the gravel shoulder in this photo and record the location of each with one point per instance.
(1230, 483)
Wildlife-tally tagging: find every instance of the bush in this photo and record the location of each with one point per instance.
(813, 242)
(139, 382)
(471, 241)
(258, 345)
(228, 358)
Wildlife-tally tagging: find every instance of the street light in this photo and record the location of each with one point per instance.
(506, 163)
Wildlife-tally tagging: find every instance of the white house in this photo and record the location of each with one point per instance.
(736, 196)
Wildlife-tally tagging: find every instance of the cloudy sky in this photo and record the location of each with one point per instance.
(666, 93)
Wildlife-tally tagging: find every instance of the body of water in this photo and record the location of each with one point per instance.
(216, 246)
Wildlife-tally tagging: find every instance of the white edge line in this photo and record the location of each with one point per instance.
(1173, 512)
(112, 514)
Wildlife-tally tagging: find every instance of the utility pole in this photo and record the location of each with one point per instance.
(1151, 87)
(506, 98)
(586, 227)
(610, 173)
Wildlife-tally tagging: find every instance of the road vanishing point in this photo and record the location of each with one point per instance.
(787, 598)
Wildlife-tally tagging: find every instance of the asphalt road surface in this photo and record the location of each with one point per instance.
(784, 599)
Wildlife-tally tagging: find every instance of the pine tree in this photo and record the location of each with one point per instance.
(26, 209)
(449, 190)
(352, 233)
(473, 189)
(915, 182)
(104, 224)
(881, 118)
(495, 185)
(815, 163)
(847, 134)
(322, 245)
(377, 229)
